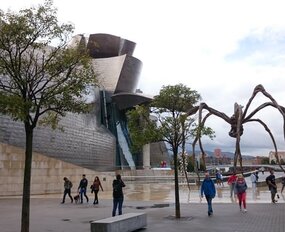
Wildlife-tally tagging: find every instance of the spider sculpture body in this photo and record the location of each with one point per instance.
(237, 120)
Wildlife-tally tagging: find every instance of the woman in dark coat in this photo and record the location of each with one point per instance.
(95, 188)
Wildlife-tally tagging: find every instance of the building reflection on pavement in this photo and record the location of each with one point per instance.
(164, 192)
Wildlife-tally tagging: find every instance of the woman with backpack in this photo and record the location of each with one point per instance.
(67, 190)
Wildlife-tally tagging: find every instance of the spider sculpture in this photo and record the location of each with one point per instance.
(237, 120)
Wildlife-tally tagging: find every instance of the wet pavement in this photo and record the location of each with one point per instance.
(48, 215)
(157, 200)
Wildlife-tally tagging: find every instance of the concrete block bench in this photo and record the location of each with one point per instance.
(122, 223)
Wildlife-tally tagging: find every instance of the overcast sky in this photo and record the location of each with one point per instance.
(220, 48)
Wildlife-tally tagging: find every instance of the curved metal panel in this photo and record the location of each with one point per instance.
(108, 71)
(128, 100)
(106, 45)
(130, 74)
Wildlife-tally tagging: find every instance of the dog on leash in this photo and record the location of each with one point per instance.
(76, 198)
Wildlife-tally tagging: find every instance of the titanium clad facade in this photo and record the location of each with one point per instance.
(91, 140)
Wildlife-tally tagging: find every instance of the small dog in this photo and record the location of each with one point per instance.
(76, 198)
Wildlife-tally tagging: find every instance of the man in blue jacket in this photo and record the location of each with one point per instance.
(208, 189)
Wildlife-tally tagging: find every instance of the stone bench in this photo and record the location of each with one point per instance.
(122, 223)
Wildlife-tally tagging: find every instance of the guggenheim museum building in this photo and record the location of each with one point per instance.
(99, 140)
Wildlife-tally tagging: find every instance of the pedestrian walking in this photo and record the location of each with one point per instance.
(118, 195)
(240, 190)
(231, 182)
(67, 190)
(82, 188)
(256, 175)
(270, 180)
(208, 189)
(253, 180)
(222, 179)
(95, 187)
(218, 178)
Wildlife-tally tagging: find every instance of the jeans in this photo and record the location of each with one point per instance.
(273, 193)
(232, 187)
(83, 192)
(96, 196)
(209, 201)
(67, 192)
(117, 203)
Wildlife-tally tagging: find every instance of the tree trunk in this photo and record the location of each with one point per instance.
(25, 226)
(185, 169)
(177, 203)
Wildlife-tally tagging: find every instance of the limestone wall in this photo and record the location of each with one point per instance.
(47, 173)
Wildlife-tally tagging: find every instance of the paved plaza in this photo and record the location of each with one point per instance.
(48, 215)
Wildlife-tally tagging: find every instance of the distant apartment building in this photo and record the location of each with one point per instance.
(257, 160)
(272, 157)
(218, 153)
(218, 158)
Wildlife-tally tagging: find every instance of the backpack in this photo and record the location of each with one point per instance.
(116, 186)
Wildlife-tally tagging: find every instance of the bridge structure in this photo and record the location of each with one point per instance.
(246, 167)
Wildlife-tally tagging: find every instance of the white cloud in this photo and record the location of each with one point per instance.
(190, 42)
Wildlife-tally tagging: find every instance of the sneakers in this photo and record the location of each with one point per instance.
(244, 210)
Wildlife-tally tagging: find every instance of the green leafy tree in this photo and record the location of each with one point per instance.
(171, 126)
(39, 83)
(190, 164)
(265, 160)
(142, 129)
(170, 107)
